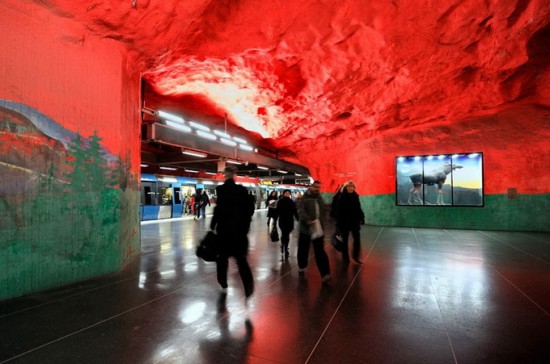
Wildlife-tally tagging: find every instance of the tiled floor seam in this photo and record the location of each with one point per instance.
(344, 297)
(437, 301)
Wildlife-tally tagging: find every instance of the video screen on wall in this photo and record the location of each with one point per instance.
(440, 180)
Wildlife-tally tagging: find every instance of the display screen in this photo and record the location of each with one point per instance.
(440, 180)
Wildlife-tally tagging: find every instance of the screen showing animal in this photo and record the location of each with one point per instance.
(440, 180)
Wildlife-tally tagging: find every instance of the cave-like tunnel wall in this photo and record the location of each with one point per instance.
(69, 160)
(69, 138)
(516, 153)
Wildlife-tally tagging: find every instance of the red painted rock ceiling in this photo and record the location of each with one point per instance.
(300, 72)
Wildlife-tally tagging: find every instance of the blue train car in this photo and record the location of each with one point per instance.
(163, 197)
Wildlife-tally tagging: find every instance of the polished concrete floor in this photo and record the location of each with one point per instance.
(421, 296)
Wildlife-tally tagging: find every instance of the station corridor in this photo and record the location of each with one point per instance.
(421, 296)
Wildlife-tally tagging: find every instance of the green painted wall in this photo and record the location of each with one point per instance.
(524, 213)
(57, 239)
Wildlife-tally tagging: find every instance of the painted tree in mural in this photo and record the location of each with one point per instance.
(90, 170)
(93, 199)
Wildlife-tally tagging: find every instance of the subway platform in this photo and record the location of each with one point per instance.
(421, 296)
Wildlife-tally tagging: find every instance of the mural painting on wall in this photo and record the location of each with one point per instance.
(61, 193)
(440, 180)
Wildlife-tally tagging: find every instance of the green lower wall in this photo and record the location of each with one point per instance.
(57, 239)
(524, 213)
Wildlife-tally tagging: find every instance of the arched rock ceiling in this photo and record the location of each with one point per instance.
(293, 71)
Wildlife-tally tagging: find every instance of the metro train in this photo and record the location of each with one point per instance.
(167, 196)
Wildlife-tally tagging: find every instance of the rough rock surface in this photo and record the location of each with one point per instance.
(337, 77)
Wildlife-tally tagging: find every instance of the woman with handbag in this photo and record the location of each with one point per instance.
(271, 204)
(347, 212)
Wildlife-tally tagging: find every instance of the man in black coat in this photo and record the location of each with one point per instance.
(231, 220)
(346, 210)
(286, 210)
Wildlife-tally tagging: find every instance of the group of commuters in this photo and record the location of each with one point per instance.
(196, 204)
(233, 215)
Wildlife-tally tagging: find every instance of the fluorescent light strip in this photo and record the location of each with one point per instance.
(178, 126)
(193, 153)
(167, 116)
(228, 142)
(211, 173)
(262, 167)
(206, 135)
(199, 126)
(191, 170)
(168, 168)
(222, 134)
(168, 179)
(246, 147)
(281, 171)
(233, 162)
(144, 165)
(297, 174)
(237, 139)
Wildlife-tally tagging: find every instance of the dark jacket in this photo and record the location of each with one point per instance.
(204, 200)
(232, 216)
(346, 210)
(286, 209)
(271, 206)
(306, 211)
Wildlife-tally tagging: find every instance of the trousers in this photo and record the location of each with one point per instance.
(321, 258)
(244, 271)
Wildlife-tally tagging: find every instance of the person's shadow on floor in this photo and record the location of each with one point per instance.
(227, 347)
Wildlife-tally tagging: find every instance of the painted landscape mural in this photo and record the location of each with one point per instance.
(64, 204)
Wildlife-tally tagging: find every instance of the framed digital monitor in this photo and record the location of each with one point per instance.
(440, 180)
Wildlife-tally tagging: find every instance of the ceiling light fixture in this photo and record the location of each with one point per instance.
(194, 153)
(281, 171)
(178, 126)
(167, 116)
(246, 147)
(222, 134)
(233, 162)
(206, 135)
(168, 168)
(262, 167)
(191, 170)
(240, 140)
(228, 142)
(199, 126)
(144, 165)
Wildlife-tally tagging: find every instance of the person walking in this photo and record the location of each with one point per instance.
(231, 221)
(287, 212)
(271, 204)
(346, 210)
(311, 217)
(198, 204)
(205, 201)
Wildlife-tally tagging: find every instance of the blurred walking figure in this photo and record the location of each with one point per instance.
(286, 210)
(231, 220)
(312, 221)
(271, 204)
(346, 210)
(205, 201)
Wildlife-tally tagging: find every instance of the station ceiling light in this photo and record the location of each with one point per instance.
(194, 153)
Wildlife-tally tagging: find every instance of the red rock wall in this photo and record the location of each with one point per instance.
(514, 144)
(84, 83)
(68, 210)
